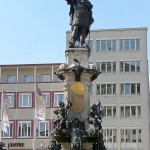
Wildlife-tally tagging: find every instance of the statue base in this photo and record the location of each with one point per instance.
(77, 125)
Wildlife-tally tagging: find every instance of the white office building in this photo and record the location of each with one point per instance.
(122, 87)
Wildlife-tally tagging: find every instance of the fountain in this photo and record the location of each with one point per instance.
(78, 125)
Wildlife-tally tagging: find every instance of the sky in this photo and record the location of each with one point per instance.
(34, 31)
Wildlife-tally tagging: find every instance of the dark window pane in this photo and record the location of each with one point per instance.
(122, 135)
(138, 66)
(114, 111)
(137, 44)
(114, 44)
(109, 112)
(138, 111)
(122, 111)
(108, 88)
(114, 88)
(103, 66)
(103, 89)
(98, 89)
(127, 88)
(98, 65)
(126, 42)
(127, 66)
(108, 66)
(103, 45)
(132, 44)
(133, 88)
(114, 66)
(127, 111)
(133, 66)
(121, 66)
(133, 133)
(133, 111)
(138, 88)
(121, 44)
(97, 45)
(109, 45)
(121, 88)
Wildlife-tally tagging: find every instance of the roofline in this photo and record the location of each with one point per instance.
(28, 65)
(116, 29)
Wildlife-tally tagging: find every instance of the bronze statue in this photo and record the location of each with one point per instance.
(80, 20)
(1, 146)
(60, 121)
(76, 140)
(77, 69)
(54, 145)
(95, 116)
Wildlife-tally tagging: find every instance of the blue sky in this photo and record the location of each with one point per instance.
(34, 31)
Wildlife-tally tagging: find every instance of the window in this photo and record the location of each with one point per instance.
(106, 67)
(109, 111)
(46, 78)
(25, 99)
(24, 129)
(109, 135)
(42, 129)
(130, 88)
(130, 111)
(106, 89)
(129, 44)
(130, 66)
(28, 78)
(11, 78)
(9, 131)
(58, 97)
(47, 98)
(11, 98)
(131, 135)
(105, 45)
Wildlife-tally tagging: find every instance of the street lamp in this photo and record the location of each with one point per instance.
(41, 145)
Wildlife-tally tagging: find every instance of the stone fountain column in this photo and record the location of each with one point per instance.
(77, 85)
(77, 126)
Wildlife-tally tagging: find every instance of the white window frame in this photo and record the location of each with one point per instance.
(130, 64)
(21, 99)
(131, 135)
(106, 88)
(28, 124)
(123, 91)
(11, 78)
(47, 98)
(46, 77)
(113, 48)
(105, 132)
(9, 131)
(56, 102)
(137, 115)
(28, 78)
(46, 126)
(129, 40)
(11, 98)
(112, 112)
(106, 66)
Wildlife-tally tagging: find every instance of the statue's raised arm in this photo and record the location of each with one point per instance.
(80, 21)
(70, 2)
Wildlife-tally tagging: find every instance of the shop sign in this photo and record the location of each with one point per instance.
(15, 144)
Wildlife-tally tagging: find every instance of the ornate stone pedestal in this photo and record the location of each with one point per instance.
(77, 126)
